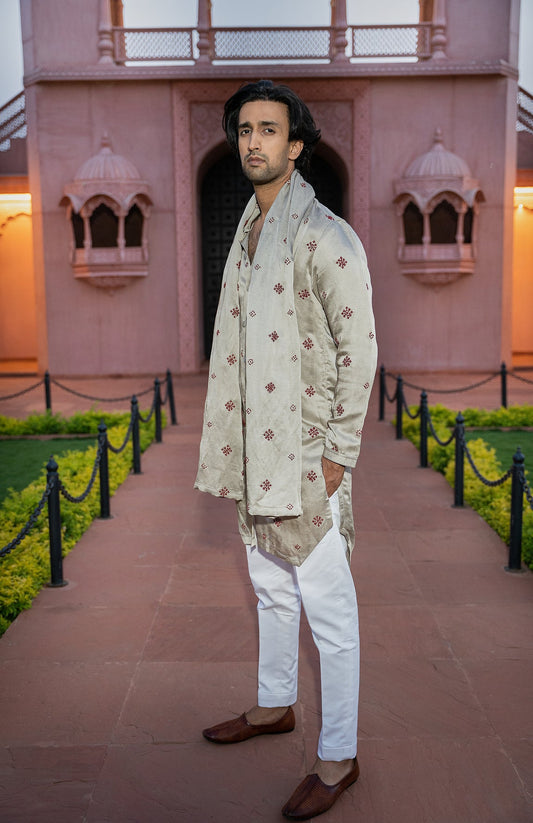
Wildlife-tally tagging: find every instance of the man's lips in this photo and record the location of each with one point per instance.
(254, 160)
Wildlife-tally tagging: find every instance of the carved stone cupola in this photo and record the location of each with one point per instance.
(108, 208)
(437, 202)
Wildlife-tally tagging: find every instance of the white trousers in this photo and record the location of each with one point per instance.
(323, 584)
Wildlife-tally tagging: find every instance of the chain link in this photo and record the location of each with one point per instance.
(451, 391)
(98, 399)
(24, 391)
(71, 498)
(121, 448)
(526, 487)
(519, 377)
(484, 480)
(32, 520)
(435, 435)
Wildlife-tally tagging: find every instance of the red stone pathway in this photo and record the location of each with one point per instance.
(107, 683)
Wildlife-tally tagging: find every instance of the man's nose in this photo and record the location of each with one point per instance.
(254, 141)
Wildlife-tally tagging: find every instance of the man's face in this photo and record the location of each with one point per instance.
(266, 154)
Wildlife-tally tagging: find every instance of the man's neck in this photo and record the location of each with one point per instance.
(265, 195)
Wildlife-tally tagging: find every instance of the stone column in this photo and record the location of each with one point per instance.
(204, 31)
(105, 33)
(337, 36)
(438, 30)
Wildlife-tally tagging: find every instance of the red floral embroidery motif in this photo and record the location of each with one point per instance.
(312, 476)
(268, 435)
(290, 312)
(293, 407)
(287, 261)
(252, 314)
(232, 359)
(226, 450)
(213, 376)
(347, 312)
(313, 431)
(347, 361)
(209, 424)
(278, 288)
(297, 547)
(318, 520)
(294, 216)
(324, 294)
(271, 220)
(204, 465)
(359, 432)
(266, 485)
(312, 245)
(238, 266)
(294, 358)
(339, 410)
(308, 343)
(270, 387)
(291, 456)
(371, 335)
(366, 386)
(303, 294)
(329, 217)
(277, 521)
(230, 405)
(334, 447)
(273, 336)
(223, 492)
(341, 262)
(257, 267)
(310, 391)
(250, 362)
(235, 312)
(290, 507)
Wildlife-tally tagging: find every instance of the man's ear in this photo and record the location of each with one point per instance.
(296, 149)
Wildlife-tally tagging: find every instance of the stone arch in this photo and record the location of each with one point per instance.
(223, 193)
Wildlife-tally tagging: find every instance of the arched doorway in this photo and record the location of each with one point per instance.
(224, 194)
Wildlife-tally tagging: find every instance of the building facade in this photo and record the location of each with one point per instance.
(135, 197)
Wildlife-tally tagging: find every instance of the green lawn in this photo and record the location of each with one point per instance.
(506, 443)
(21, 461)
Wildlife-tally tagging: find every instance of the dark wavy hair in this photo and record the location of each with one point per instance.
(301, 123)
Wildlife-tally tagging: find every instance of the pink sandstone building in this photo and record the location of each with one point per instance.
(113, 265)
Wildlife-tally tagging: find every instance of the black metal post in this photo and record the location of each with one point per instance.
(382, 392)
(399, 408)
(503, 374)
(517, 499)
(157, 401)
(47, 392)
(54, 527)
(170, 395)
(135, 437)
(424, 415)
(105, 509)
(459, 481)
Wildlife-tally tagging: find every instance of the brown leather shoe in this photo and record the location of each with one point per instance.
(233, 731)
(313, 797)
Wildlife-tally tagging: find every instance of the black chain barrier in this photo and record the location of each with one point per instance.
(55, 487)
(519, 484)
(48, 381)
(503, 374)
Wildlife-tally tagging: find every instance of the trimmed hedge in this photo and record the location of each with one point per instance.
(493, 503)
(26, 568)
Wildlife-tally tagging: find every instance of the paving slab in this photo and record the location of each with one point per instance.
(107, 682)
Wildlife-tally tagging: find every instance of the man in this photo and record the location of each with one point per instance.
(293, 360)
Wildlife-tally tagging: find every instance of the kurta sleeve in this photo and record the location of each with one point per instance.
(344, 287)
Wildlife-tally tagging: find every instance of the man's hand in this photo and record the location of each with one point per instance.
(333, 474)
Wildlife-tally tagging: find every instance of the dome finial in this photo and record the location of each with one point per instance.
(437, 137)
(106, 143)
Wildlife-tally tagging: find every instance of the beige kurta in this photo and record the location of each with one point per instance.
(294, 358)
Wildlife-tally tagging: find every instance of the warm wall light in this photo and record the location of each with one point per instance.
(15, 198)
(523, 197)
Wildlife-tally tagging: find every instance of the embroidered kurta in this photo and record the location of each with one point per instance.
(293, 361)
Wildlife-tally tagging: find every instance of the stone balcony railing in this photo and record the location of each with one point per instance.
(312, 43)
